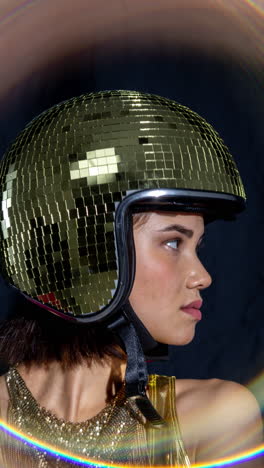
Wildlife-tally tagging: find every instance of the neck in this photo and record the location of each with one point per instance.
(75, 394)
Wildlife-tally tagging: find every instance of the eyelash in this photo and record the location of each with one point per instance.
(179, 241)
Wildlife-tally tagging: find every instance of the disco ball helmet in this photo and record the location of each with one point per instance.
(72, 179)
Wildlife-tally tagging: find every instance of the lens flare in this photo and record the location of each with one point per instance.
(48, 31)
(256, 386)
(249, 14)
(69, 457)
(17, 11)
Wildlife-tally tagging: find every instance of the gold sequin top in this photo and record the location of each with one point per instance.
(115, 435)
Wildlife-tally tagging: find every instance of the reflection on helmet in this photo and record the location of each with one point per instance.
(66, 173)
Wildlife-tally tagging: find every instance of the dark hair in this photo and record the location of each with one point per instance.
(139, 219)
(32, 334)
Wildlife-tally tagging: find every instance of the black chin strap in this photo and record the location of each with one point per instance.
(151, 348)
(136, 377)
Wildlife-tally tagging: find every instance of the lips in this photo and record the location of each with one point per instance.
(193, 309)
(193, 305)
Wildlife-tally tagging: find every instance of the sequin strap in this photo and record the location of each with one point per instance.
(165, 444)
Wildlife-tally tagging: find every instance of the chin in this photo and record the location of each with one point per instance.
(176, 339)
(181, 341)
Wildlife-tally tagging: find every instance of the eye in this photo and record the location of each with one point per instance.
(174, 243)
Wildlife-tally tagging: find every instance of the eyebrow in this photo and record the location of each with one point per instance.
(179, 228)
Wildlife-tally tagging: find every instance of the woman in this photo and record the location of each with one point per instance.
(104, 203)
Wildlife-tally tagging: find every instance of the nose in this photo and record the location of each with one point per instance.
(198, 277)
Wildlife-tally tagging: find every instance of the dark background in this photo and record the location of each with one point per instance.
(229, 94)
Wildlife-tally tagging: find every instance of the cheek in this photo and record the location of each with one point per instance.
(148, 271)
(156, 283)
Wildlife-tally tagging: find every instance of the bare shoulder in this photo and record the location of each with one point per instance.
(192, 393)
(217, 417)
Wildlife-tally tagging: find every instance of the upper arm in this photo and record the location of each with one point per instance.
(231, 423)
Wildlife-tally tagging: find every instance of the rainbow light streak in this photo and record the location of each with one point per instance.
(248, 13)
(50, 449)
(256, 5)
(237, 7)
(227, 461)
(239, 10)
(18, 11)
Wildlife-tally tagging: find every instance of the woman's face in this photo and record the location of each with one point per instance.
(169, 274)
